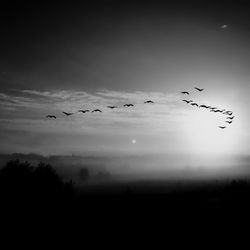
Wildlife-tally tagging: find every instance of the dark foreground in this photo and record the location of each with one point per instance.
(39, 196)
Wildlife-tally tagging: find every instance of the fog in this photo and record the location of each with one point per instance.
(106, 168)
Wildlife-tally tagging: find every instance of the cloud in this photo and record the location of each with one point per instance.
(140, 96)
(26, 110)
(156, 127)
(71, 100)
(61, 94)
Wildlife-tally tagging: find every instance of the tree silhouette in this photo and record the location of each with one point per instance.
(23, 182)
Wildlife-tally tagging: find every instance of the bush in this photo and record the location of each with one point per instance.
(21, 181)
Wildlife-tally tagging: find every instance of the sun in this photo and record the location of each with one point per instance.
(133, 141)
(204, 136)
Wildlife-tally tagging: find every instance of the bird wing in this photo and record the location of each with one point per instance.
(198, 89)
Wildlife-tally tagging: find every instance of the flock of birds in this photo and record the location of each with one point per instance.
(228, 113)
(229, 118)
(96, 110)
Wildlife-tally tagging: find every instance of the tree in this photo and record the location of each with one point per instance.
(21, 181)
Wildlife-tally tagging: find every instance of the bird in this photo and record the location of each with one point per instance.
(222, 127)
(199, 89)
(96, 110)
(83, 111)
(187, 101)
(128, 105)
(228, 113)
(149, 101)
(51, 116)
(194, 104)
(112, 107)
(185, 92)
(218, 110)
(229, 122)
(203, 106)
(67, 114)
(230, 117)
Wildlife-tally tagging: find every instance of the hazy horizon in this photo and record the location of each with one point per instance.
(141, 167)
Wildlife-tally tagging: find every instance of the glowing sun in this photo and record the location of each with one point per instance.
(134, 141)
(204, 135)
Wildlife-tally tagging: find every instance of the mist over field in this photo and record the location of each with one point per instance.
(142, 167)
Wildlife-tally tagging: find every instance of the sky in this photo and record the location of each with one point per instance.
(66, 57)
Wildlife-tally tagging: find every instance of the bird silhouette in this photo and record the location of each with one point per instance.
(83, 111)
(112, 107)
(128, 105)
(229, 122)
(194, 104)
(218, 110)
(230, 117)
(67, 114)
(51, 116)
(228, 113)
(187, 101)
(199, 89)
(149, 101)
(203, 106)
(222, 127)
(185, 92)
(96, 110)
